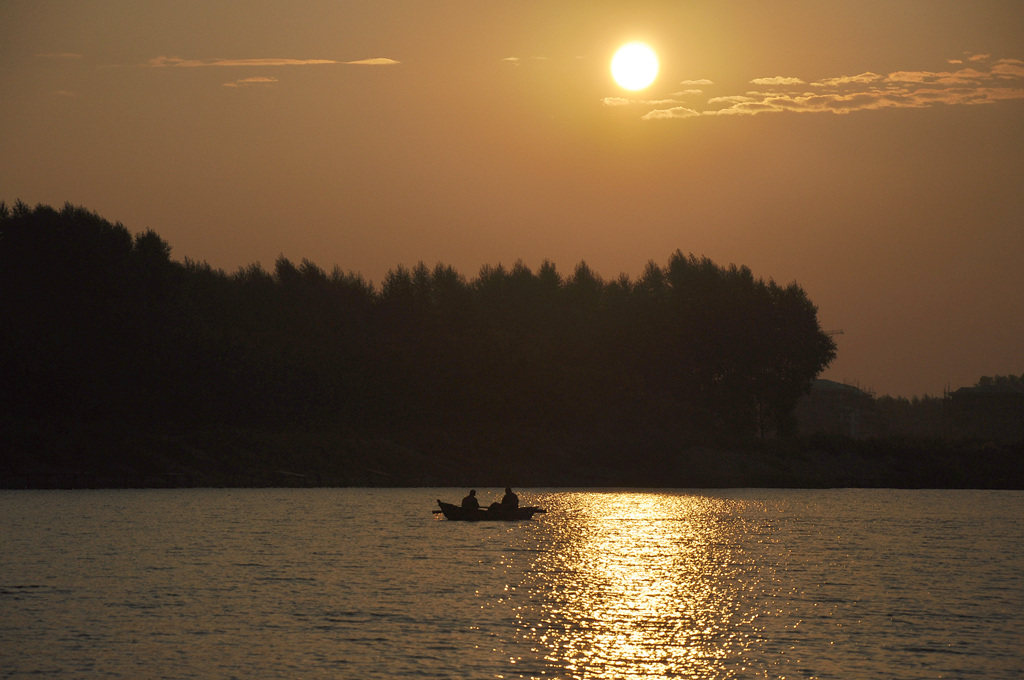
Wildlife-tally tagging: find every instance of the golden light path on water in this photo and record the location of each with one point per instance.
(638, 585)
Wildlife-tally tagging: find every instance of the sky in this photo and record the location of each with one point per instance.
(871, 151)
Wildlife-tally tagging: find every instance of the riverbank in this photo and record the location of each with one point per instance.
(98, 455)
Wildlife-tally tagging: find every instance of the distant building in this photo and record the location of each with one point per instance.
(835, 408)
(991, 410)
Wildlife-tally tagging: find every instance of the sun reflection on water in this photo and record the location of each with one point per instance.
(640, 585)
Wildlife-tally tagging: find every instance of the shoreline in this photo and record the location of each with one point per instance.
(92, 456)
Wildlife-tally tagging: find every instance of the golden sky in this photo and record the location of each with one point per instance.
(871, 150)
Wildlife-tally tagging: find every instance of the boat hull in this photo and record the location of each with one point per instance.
(457, 513)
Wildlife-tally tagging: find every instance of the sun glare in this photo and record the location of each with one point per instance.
(634, 66)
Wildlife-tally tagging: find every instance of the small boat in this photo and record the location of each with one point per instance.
(494, 513)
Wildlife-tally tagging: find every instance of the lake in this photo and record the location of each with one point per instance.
(368, 583)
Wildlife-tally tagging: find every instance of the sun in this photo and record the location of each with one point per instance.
(634, 66)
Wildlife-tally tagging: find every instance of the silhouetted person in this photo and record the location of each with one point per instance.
(509, 501)
(470, 502)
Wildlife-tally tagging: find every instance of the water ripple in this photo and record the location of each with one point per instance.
(735, 584)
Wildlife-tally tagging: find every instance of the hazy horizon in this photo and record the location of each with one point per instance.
(872, 152)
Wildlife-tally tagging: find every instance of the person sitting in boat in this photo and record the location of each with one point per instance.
(470, 502)
(509, 501)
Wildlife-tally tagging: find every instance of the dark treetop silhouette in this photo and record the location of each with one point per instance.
(103, 330)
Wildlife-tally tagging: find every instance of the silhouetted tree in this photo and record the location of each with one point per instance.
(83, 302)
(101, 324)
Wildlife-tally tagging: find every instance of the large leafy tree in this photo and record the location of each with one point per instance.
(100, 323)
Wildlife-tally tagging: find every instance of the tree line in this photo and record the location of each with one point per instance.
(100, 324)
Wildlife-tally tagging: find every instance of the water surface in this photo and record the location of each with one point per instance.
(367, 583)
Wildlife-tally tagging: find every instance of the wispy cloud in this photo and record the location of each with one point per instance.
(777, 80)
(674, 112)
(376, 61)
(623, 101)
(842, 81)
(264, 81)
(519, 61)
(178, 62)
(984, 81)
(1008, 68)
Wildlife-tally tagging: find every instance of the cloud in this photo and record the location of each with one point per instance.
(701, 82)
(730, 100)
(257, 80)
(777, 80)
(983, 82)
(1008, 68)
(965, 75)
(675, 112)
(376, 61)
(178, 62)
(623, 101)
(519, 61)
(866, 77)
